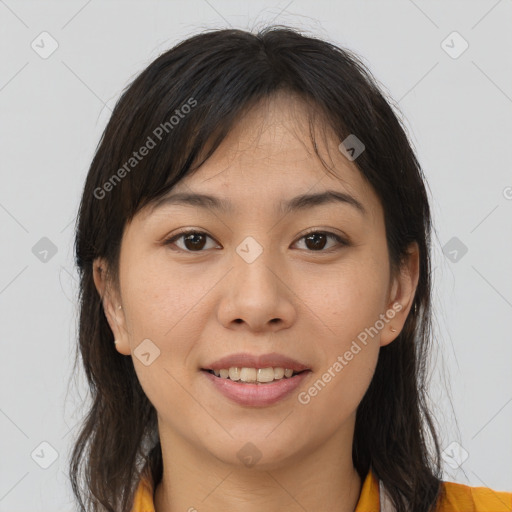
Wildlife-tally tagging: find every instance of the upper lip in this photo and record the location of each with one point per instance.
(243, 360)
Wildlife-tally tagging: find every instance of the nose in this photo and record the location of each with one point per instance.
(256, 295)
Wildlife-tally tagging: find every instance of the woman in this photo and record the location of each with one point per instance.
(254, 232)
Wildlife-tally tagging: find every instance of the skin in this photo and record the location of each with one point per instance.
(307, 303)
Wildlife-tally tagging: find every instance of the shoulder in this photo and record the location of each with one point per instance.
(456, 497)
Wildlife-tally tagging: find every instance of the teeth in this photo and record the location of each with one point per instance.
(234, 373)
(279, 373)
(248, 375)
(265, 375)
(252, 375)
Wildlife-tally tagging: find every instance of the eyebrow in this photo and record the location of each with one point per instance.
(297, 203)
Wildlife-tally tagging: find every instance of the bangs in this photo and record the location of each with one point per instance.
(186, 106)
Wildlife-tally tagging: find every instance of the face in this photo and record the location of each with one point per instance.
(307, 283)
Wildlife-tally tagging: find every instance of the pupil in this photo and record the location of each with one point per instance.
(190, 237)
(316, 245)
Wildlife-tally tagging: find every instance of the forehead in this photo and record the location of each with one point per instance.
(268, 157)
(273, 140)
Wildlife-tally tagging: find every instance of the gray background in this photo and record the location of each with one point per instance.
(53, 110)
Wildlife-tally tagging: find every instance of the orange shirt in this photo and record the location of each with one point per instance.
(458, 498)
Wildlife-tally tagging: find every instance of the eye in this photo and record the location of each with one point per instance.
(194, 241)
(315, 240)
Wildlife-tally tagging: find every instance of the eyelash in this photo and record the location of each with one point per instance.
(342, 241)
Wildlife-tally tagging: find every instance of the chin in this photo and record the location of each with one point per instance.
(256, 451)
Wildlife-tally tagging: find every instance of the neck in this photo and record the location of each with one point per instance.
(320, 479)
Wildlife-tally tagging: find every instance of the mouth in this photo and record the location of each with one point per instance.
(254, 376)
(255, 388)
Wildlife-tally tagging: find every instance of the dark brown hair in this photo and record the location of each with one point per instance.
(220, 74)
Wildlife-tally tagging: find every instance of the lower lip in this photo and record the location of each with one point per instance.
(257, 395)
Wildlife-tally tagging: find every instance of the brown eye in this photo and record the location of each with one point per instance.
(196, 241)
(193, 241)
(316, 240)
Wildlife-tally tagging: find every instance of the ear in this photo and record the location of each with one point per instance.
(401, 297)
(111, 307)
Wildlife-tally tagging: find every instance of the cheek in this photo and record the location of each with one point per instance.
(161, 298)
(168, 308)
(349, 303)
(352, 297)
(160, 308)
(355, 301)
(338, 388)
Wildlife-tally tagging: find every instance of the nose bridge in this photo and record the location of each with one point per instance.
(252, 265)
(250, 250)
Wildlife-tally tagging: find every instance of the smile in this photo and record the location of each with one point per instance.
(247, 389)
(254, 375)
